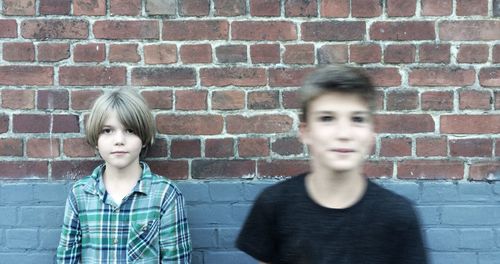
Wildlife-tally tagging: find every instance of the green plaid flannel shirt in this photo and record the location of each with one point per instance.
(149, 226)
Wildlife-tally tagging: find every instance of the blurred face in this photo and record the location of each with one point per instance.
(118, 146)
(338, 132)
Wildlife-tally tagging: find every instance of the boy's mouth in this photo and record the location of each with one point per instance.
(343, 150)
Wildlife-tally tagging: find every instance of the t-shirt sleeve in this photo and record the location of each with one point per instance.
(411, 244)
(257, 237)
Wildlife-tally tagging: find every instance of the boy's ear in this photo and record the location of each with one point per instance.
(303, 132)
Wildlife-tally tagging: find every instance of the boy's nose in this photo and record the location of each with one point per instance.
(343, 130)
(119, 137)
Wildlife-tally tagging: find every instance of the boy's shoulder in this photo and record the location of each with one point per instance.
(284, 190)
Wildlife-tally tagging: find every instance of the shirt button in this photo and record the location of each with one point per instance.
(144, 228)
(115, 241)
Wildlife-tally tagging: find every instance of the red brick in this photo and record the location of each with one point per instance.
(301, 8)
(89, 7)
(163, 76)
(365, 53)
(72, 169)
(65, 124)
(299, 54)
(123, 53)
(126, 29)
(395, 147)
(19, 51)
(8, 28)
(277, 168)
(430, 169)
(263, 30)
(161, 7)
(378, 169)
(253, 147)
(288, 76)
(265, 53)
(489, 77)
(497, 149)
(404, 30)
(496, 53)
(185, 148)
(197, 53)
(55, 7)
(231, 53)
(29, 123)
(472, 8)
(333, 31)
(53, 99)
(159, 149)
(473, 53)
(42, 148)
(469, 30)
(228, 100)
(90, 52)
(4, 123)
(366, 8)
(125, 7)
(384, 76)
(19, 7)
(287, 146)
(437, 101)
(78, 147)
(334, 8)
(83, 99)
(233, 76)
(160, 54)
(158, 99)
(436, 7)
(55, 29)
(204, 169)
(53, 52)
(219, 148)
(189, 124)
(471, 147)
(291, 100)
(18, 99)
(473, 99)
(171, 169)
(432, 147)
(265, 8)
(191, 100)
(195, 30)
(437, 53)
(333, 54)
(441, 77)
(92, 75)
(24, 169)
(401, 8)
(402, 100)
(470, 124)
(497, 100)
(237, 124)
(11, 147)
(379, 100)
(194, 7)
(484, 171)
(229, 8)
(263, 100)
(399, 54)
(403, 123)
(26, 75)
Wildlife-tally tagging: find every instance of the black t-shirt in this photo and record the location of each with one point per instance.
(286, 226)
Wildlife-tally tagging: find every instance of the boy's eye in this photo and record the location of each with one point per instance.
(326, 118)
(130, 131)
(359, 119)
(106, 130)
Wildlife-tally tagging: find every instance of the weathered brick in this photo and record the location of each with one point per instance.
(291, 100)
(22, 238)
(160, 54)
(8, 28)
(277, 168)
(334, 8)
(288, 76)
(399, 54)
(496, 54)
(53, 99)
(484, 171)
(126, 29)
(496, 8)
(52, 52)
(42, 148)
(26, 75)
(265, 8)
(265, 53)
(228, 8)
(65, 123)
(384, 76)
(473, 53)
(30, 123)
(23, 169)
(158, 99)
(189, 124)
(395, 147)
(474, 99)
(55, 7)
(78, 148)
(378, 169)
(436, 7)
(161, 7)
(92, 75)
(472, 8)
(469, 30)
(231, 53)
(18, 99)
(55, 29)
(72, 169)
(125, 7)
(11, 147)
(49, 238)
(263, 30)
(83, 99)
(196, 53)
(185, 148)
(497, 100)
(333, 31)
(404, 30)
(432, 146)
(90, 52)
(287, 146)
(253, 147)
(333, 54)
(471, 147)
(172, 169)
(219, 148)
(402, 100)
(301, 8)
(191, 100)
(19, 51)
(441, 77)
(233, 76)
(159, 149)
(489, 77)
(366, 8)
(204, 169)
(89, 7)
(299, 54)
(365, 53)
(195, 30)
(403, 123)
(470, 124)
(263, 100)
(237, 124)
(401, 8)
(436, 53)
(437, 101)
(4, 123)
(19, 7)
(163, 76)
(228, 100)
(123, 53)
(194, 7)
(430, 169)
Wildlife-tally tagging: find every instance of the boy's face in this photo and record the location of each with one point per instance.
(339, 132)
(118, 146)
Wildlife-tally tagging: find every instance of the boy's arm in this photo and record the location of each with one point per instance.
(70, 247)
(175, 241)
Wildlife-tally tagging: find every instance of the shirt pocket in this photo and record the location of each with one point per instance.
(143, 240)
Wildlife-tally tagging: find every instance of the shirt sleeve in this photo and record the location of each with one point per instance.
(175, 240)
(411, 245)
(70, 246)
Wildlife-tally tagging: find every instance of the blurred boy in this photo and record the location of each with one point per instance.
(333, 214)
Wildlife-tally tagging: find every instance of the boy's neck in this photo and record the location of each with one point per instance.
(120, 182)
